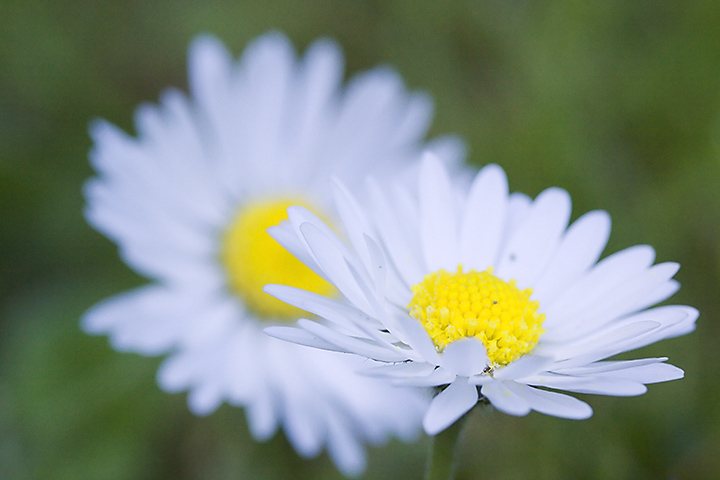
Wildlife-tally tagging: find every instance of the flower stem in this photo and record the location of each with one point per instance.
(443, 451)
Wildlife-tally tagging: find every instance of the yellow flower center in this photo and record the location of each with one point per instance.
(478, 304)
(253, 259)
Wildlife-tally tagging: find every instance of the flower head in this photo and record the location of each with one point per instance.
(188, 203)
(471, 288)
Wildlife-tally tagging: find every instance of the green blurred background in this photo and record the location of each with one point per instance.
(617, 101)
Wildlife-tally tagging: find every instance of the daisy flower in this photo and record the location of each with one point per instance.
(484, 295)
(188, 202)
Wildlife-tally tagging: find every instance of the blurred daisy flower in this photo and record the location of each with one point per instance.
(188, 202)
(483, 295)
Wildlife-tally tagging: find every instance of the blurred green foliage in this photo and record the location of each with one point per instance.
(618, 102)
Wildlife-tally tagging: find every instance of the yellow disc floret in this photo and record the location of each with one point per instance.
(478, 304)
(253, 259)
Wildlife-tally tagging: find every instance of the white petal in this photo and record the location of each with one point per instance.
(219, 319)
(661, 293)
(450, 404)
(353, 219)
(304, 425)
(174, 152)
(450, 148)
(415, 335)
(522, 367)
(632, 333)
(579, 249)
(607, 366)
(396, 238)
(592, 288)
(504, 399)
(534, 241)
(300, 337)
(205, 399)
(595, 385)
(333, 263)
(518, 209)
(285, 235)
(348, 319)
(415, 119)
(298, 216)
(484, 219)
(374, 296)
(611, 337)
(659, 372)
(177, 372)
(481, 379)
(340, 313)
(552, 403)
(209, 68)
(373, 108)
(311, 107)
(351, 344)
(266, 71)
(438, 217)
(146, 320)
(377, 266)
(683, 327)
(641, 291)
(437, 377)
(465, 357)
(623, 299)
(153, 238)
(400, 370)
(344, 447)
(261, 415)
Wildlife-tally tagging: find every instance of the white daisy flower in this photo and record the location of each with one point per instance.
(188, 202)
(467, 288)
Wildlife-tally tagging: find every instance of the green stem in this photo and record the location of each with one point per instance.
(443, 451)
